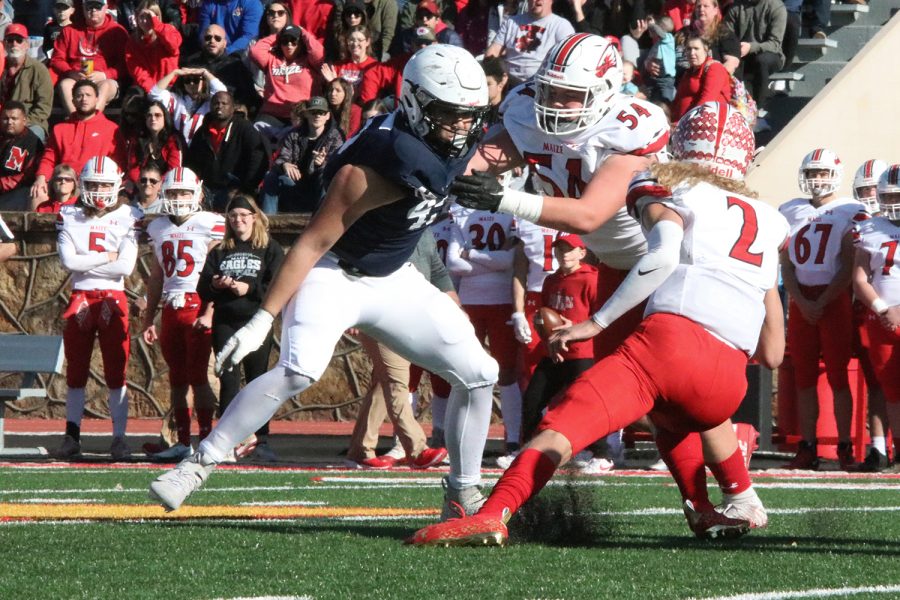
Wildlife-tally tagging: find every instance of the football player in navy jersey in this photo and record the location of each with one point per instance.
(349, 268)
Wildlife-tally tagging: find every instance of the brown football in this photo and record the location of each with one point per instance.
(546, 320)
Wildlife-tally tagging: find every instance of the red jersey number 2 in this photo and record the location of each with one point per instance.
(749, 228)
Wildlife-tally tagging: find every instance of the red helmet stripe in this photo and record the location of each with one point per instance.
(562, 56)
(817, 155)
(894, 175)
(867, 168)
(99, 161)
(721, 121)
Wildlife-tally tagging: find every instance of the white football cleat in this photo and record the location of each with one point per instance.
(173, 487)
(459, 503)
(745, 506)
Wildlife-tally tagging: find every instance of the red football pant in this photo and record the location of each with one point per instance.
(609, 340)
(671, 368)
(832, 336)
(884, 351)
(185, 349)
(490, 321)
(102, 315)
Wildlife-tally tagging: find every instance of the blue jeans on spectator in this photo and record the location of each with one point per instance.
(280, 193)
(662, 88)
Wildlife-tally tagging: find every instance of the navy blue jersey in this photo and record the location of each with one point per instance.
(383, 239)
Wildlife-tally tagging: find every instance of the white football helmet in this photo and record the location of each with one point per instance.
(866, 180)
(584, 64)
(440, 84)
(889, 193)
(98, 170)
(823, 159)
(181, 178)
(716, 136)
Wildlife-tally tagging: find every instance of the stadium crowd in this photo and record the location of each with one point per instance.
(214, 114)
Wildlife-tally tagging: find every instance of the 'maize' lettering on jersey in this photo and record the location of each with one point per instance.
(428, 210)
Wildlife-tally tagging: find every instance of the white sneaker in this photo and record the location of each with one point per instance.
(176, 452)
(580, 460)
(173, 487)
(507, 459)
(119, 449)
(264, 453)
(659, 465)
(745, 506)
(596, 466)
(460, 503)
(397, 452)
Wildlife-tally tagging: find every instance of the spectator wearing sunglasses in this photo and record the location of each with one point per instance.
(153, 47)
(217, 57)
(26, 80)
(238, 18)
(156, 142)
(146, 194)
(291, 61)
(90, 49)
(276, 17)
(63, 190)
(187, 97)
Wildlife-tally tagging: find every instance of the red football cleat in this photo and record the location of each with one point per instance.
(429, 457)
(477, 530)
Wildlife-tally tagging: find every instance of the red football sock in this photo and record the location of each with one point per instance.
(525, 477)
(683, 454)
(183, 425)
(732, 474)
(204, 420)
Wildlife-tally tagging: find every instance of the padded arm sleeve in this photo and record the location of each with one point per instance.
(663, 254)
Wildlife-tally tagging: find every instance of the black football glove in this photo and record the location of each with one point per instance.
(480, 191)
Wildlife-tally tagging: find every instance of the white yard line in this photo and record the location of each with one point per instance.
(813, 593)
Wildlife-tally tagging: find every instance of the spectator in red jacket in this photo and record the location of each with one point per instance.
(63, 190)
(93, 50)
(313, 16)
(85, 133)
(707, 80)
(157, 142)
(291, 61)
(153, 47)
(355, 57)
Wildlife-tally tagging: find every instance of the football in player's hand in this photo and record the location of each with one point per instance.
(546, 320)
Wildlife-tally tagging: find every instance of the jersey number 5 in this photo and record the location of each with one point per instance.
(749, 228)
(170, 258)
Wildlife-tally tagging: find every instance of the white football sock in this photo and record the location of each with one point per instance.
(878, 442)
(251, 408)
(118, 410)
(438, 411)
(468, 419)
(75, 405)
(511, 409)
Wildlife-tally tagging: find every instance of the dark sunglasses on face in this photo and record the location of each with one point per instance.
(211, 37)
(15, 39)
(353, 13)
(148, 181)
(276, 13)
(64, 179)
(291, 41)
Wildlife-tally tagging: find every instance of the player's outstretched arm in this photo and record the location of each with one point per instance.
(770, 350)
(353, 192)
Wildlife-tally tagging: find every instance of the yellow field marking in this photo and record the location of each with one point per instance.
(115, 512)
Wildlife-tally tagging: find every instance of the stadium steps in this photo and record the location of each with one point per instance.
(818, 61)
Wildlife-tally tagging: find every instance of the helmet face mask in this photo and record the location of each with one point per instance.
(101, 181)
(443, 88)
(889, 193)
(865, 183)
(820, 173)
(575, 84)
(717, 137)
(180, 204)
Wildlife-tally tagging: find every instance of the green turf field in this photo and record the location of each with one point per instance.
(92, 533)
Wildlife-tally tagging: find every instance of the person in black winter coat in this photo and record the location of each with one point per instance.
(235, 277)
(294, 184)
(227, 153)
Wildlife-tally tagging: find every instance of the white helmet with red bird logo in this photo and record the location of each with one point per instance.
(100, 170)
(177, 179)
(820, 159)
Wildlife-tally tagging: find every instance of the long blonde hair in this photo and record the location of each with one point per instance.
(670, 175)
(259, 237)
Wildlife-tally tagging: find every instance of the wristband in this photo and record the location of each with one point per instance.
(879, 306)
(521, 204)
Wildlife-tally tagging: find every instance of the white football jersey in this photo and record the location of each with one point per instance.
(89, 239)
(729, 258)
(879, 238)
(181, 249)
(537, 243)
(816, 235)
(563, 166)
(486, 277)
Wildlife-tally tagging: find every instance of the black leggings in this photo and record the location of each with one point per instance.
(549, 379)
(255, 364)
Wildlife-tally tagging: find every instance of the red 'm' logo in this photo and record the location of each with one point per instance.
(16, 160)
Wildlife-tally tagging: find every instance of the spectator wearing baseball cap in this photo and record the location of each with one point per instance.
(427, 15)
(291, 61)
(294, 184)
(26, 80)
(91, 48)
(62, 17)
(239, 18)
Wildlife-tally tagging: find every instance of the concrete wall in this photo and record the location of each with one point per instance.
(857, 115)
